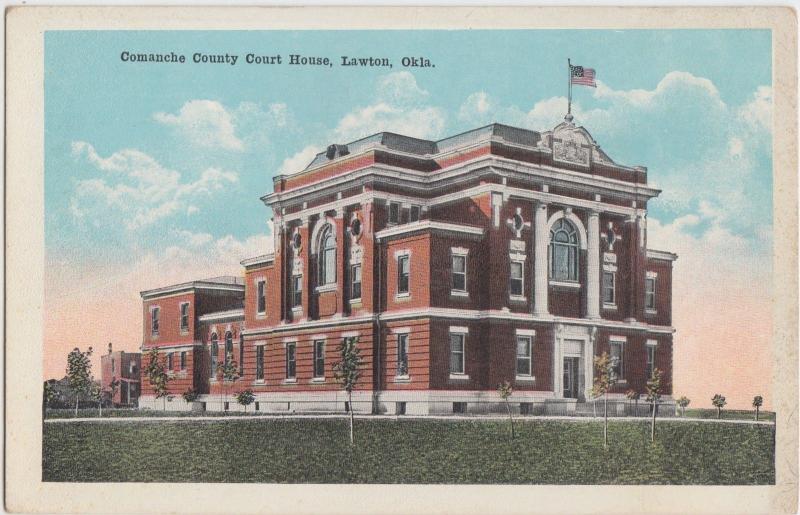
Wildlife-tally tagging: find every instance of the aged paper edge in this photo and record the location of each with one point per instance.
(25, 265)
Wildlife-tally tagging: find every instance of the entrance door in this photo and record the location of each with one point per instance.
(571, 378)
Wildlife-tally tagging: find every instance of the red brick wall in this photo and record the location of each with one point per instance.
(419, 247)
(418, 355)
(663, 314)
(169, 332)
(635, 358)
(273, 294)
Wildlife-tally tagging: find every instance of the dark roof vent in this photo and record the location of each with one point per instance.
(335, 151)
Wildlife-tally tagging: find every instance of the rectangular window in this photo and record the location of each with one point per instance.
(523, 355)
(414, 214)
(183, 360)
(609, 287)
(184, 316)
(651, 360)
(402, 354)
(154, 316)
(241, 355)
(403, 270)
(515, 281)
(456, 353)
(262, 296)
(113, 368)
(618, 356)
(355, 282)
(297, 291)
(291, 364)
(169, 361)
(319, 359)
(459, 272)
(214, 357)
(394, 213)
(650, 293)
(260, 363)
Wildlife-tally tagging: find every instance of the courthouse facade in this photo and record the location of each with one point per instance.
(500, 254)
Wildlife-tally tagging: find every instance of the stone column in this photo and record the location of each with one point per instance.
(541, 241)
(593, 267)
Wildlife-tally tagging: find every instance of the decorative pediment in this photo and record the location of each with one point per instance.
(574, 145)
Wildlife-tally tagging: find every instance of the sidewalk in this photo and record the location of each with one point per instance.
(460, 418)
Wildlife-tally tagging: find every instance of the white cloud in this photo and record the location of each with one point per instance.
(675, 80)
(205, 123)
(138, 191)
(299, 161)
(400, 88)
(757, 113)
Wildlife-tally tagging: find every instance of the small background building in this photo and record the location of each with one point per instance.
(126, 367)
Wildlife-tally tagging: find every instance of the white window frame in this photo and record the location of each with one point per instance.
(297, 279)
(402, 335)
(317, 377)
(521, 295)
(323, 274)
(155, 320)
(260, 351)
(529, 339)
(460, 253)
(353, 267)
(418, 209)
(613, 303)
(650, 349)
(618, 341)
(654, 278)
(183, 329)
(462, 332)
(287, 378)
(389, 213)
(261, 283)
(400, 255)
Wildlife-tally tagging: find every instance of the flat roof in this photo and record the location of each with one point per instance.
(222, 282)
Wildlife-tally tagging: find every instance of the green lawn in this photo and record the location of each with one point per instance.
(408, 451)
(728, 414)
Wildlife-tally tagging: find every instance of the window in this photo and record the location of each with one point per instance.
(183, 360)
(609, 287)
(228, 348)
(523, 355)
(456, 353)
(617, 355)
(355, 282)
(184, 316)
(413, 215)
(650, 293)
(291, 364)
(133, 368)
(563, 251)
(214, 353)
(319, 359)
(402, 354)
(260, 363)
(394, 213)
(403, 270)
(297, 291)
(170, 364)
(459, 272)
(154, 316)
(651, 360)
(515, 280)
(241, 354)
(113, 368)
(327, 257)
(261, 287)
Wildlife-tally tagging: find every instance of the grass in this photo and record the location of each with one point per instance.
(126, 413)
(408, 451)
(729, 414)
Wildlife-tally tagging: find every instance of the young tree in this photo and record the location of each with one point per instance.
(591, 395)
(654, 388)
(347, 373)
(190, 395)
(605, 379)
(682, 402)
(96, 394)
(230, 374)
(757, 402)
(245, 398)
(48, 395)
(633, 395)
(157, 375)
(505, 390)
(719, 402)
(79, 373)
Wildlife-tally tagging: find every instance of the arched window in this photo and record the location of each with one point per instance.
(214, 353)
(327, 257)
(228, 347)
(563, 251)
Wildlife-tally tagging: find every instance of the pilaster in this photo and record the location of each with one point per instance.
(593, 266)
(541, 242)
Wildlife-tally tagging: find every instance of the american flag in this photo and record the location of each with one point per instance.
(582, 76)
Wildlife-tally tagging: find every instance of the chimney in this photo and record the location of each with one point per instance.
(109, 347)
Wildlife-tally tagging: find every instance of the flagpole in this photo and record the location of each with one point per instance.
(569, 88)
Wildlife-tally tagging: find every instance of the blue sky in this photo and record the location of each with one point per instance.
(153, 172)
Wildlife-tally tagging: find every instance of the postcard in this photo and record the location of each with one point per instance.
(434, 260)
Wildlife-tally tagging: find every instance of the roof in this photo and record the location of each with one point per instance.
(223, 282)
(235, 314)
(430, 148)
(661, 254)
(257, 260)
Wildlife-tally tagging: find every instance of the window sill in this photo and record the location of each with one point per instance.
(610, 307)
(297, 309)
(289, 381)
(459, 377)
(317, 380)
(261, 315)
(355, 301)
(400, 296)
(525, 379)
(259, 382)
(518, 298)
(325, 288)
(402, 379)
(566, 284)
(650, 312)
(459, 293)
(184, 332)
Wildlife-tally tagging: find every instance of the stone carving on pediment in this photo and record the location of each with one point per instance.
(570, 147)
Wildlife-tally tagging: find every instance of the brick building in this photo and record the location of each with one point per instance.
(499, 254)
(126, 368)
